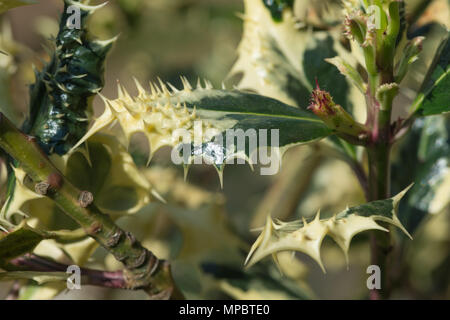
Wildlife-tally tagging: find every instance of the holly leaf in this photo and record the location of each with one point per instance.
(434, 96)
(282, 60)
(20, 240)
(210, 122)
(307, 237)
(105, 169)
(276, 7)
(425, 155)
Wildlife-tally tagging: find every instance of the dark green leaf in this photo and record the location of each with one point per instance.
(218, 110)
(276, 7)
(60, 96)
(424, 158)
(434, 96)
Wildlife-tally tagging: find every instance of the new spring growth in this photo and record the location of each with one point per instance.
(386, 94)
(358, 26)
(333, 115)
(355, 26)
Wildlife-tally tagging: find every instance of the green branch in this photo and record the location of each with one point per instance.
(143, 270)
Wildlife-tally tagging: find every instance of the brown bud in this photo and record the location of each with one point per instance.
(41, 188)
(333, 115)
(85, 198)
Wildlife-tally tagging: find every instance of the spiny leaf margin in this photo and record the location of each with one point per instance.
(161, 112)
(307, 237)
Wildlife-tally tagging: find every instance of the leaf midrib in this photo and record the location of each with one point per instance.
(266, 115)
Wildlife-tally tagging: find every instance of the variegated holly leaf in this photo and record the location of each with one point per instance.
(5, 5)
(21, 195)
(265, 67)
(104, 168)
(283, 59)
(213, 124)
(434, 96)
(307, 237)
(211, 255)
(276, 7)
(20, 240)
(425, 155)
(107, 170)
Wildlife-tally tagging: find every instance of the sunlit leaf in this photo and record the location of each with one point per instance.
(282, 60)
(20, 240)
(307, 237)
(168, 117)
(105, 169)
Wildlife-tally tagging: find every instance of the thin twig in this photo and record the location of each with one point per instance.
(32, 262)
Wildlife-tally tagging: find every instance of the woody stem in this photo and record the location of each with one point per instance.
(143, 270)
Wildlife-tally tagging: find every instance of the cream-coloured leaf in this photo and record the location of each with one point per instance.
(441, 199)
(307, 237)
(201, 117)
(282, 59)
(122, 189)
(106, 169)
(20, 196)
(349, 71)
(270, 55)
(274, 238)
(176, 190)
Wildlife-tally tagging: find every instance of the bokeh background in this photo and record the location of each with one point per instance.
(206, 230)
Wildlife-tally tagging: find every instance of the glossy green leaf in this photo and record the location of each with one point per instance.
(423, 157)
(60, 97)
(276, 7)
(203, 114)
(434, 96)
